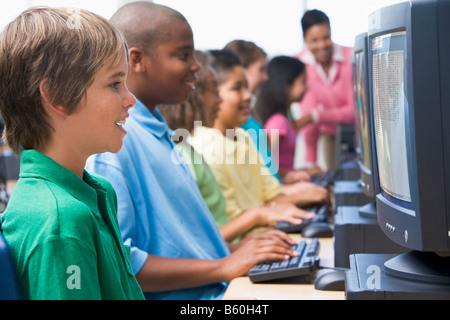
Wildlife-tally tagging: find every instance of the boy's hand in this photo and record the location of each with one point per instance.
(266, 246)
(273, 213)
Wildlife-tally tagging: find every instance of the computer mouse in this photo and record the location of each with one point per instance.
(317, 230)
(330, 280)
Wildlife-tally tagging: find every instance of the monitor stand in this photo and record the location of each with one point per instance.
(420, 266)
(411, 275)
(368, 211)
(349, 170)
(349, 193)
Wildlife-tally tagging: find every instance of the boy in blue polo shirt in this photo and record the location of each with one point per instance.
(177, 251)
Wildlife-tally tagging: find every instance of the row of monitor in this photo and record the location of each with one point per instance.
(402, 124)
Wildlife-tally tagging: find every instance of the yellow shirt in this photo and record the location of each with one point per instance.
(235, 162)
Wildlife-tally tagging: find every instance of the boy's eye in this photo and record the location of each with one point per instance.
(237, 87)
(115, 85)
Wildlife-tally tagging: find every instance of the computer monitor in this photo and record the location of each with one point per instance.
(409, 46)
(365, 140)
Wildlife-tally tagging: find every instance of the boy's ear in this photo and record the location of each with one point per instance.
(137, 59)
(48, 105)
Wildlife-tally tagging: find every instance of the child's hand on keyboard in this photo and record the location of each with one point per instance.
(296, 176)
(310, 194)
(270, 246)
(267, 234)
(271, 214)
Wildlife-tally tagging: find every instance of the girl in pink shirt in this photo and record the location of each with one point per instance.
(329, 100)
(286, 84)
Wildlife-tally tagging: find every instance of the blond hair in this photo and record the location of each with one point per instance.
(64, 46)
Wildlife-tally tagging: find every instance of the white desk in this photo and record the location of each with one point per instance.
(243, 288)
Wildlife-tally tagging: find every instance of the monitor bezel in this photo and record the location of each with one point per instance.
(425, 227)
(369, 177)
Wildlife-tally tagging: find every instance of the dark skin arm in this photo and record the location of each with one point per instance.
(263, 216)
(162, 274)
(302, 122)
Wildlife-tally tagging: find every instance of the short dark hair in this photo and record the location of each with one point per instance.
(223, 61)
(313, 17)
(153, 21)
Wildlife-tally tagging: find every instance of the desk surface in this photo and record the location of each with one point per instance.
(243, 288)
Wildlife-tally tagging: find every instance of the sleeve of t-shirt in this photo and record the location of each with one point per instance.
(72, 275)
(277, 122)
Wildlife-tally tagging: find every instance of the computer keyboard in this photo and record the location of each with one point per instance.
(324, 179)
(321, 216)
(304, 264)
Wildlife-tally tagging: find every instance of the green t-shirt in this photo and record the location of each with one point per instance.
(64, 235)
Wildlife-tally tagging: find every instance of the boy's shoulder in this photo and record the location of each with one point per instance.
(43, 210)
(44, 201)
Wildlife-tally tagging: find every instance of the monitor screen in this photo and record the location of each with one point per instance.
(361, 120)
(390, 107)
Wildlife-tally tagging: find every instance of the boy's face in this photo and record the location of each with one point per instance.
(97, 122)
(235, 107)
(172, 67)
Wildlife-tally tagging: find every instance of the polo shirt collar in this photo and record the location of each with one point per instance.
(337, 58)
(338, 55)
(34, 164)
(152, 120)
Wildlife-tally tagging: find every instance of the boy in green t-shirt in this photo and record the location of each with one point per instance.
(64, 98)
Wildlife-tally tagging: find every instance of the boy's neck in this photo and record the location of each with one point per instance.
(150, 107)
(148, 103)
(70, 161)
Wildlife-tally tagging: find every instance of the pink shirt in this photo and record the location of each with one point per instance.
(287, 141)
(329, 97)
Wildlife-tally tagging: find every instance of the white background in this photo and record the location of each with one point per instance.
(273, 25)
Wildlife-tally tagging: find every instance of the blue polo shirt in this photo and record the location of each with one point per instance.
(160, 209)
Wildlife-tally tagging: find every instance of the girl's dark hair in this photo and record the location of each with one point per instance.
(313, 17)
(282, 71)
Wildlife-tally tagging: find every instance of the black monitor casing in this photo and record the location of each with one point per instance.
(427, 25)
(369, 176)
